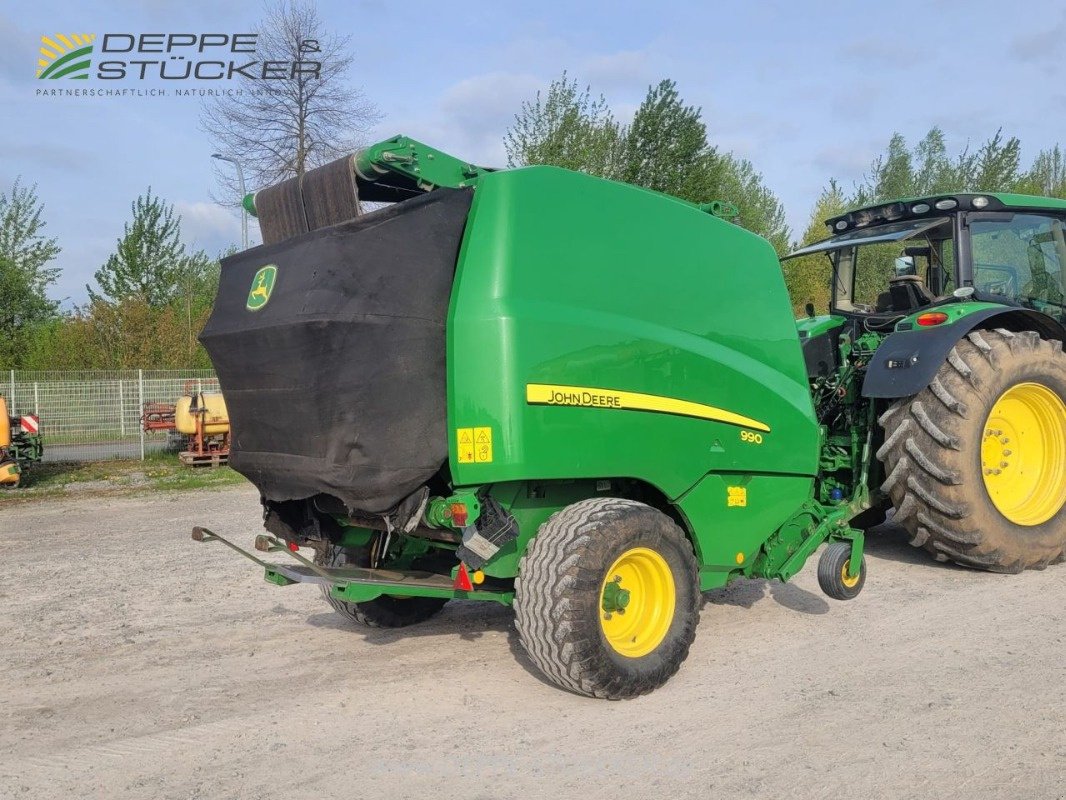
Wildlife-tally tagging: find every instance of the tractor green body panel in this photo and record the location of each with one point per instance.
(817, 326)
(955, 312)
(1027, 200)
(603, 289)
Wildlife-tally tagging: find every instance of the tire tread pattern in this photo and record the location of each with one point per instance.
(557, 596)
(926, 451)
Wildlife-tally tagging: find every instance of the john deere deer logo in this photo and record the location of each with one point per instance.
(262, 286)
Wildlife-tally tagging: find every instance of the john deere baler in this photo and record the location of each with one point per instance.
(530, 386)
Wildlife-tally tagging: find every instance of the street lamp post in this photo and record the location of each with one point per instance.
(240, 181)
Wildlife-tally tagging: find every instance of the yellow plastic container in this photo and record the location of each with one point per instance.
(216, 420)
(5, 424)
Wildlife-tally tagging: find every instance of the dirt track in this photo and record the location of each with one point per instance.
(137, 663)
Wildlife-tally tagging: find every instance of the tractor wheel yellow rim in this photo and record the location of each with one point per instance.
(850, 583)
(636, 612)
(1023, 454)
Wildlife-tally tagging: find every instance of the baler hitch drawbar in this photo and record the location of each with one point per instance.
(353, 584)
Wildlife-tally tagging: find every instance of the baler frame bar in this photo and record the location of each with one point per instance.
(354, 584)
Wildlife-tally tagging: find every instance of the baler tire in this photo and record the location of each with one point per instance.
(381, 612)
(832, 572)
(932, 455)
(560, 589)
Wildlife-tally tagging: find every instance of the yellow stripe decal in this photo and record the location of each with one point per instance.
(589, 397)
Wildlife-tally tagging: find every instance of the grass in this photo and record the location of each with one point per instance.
(157, 473)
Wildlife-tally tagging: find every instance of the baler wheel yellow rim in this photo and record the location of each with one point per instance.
(636, 613)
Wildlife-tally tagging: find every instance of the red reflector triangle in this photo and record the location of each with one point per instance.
(462, 579)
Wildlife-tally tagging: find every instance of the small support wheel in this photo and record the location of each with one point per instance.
(833, 569)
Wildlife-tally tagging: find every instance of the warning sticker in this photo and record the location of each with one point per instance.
(737, 496)
(482, 445)
(464, 438)
(474, 445)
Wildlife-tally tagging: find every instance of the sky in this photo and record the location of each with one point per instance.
(806, 91)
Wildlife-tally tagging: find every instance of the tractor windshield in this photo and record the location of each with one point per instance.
(1020, 258)
(885, 270)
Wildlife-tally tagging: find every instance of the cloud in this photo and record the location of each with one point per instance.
(471, 116)
(19, 48)
(895, 52)
(46, 155)
(846, 163)
(208, 226)
(860, 100)
(1042, 45)
(623, 69)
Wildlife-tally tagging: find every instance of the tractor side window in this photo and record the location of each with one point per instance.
(875, 266)
(943, 268)
(1020, 257)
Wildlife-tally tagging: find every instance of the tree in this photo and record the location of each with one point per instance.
(760, 210)
(565, 127)
(25, 276)
(665, 144)
(807, 277)
(933, 169)
(664, 149)
(927, 169)
(278, 128)
(149, 262)
(1047, 175)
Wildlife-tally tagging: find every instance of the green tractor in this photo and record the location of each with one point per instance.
(949, 310)
(591, 402)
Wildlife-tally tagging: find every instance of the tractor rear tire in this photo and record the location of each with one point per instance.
(607, 598)
(381, 612)
(976, 462)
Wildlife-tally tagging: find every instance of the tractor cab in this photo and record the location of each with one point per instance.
(890, 261)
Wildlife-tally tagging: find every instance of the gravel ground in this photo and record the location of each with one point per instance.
(139, 664)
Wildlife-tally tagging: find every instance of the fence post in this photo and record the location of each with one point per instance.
(140, 404)
(12, 398)
(121, 408)
(36, 402)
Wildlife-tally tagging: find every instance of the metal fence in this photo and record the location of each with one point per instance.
(94, 415)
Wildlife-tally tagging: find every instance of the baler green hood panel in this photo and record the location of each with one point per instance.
(666, 333)
(330, 349)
